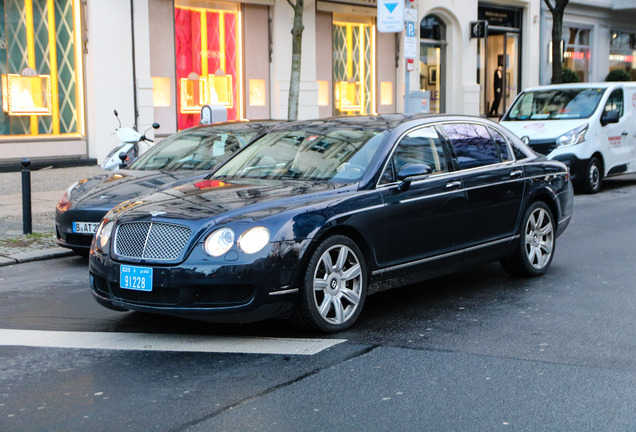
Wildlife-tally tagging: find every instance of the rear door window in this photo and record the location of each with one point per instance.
(472, 145)
(502, 145)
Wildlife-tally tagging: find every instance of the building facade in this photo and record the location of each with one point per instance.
(67, 64)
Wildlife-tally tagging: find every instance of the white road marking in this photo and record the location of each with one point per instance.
(164, 342)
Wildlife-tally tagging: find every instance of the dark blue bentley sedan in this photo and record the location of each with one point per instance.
(315, 215)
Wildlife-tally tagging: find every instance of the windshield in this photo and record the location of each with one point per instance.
(197, 149)
(556, 104)
(340, 155)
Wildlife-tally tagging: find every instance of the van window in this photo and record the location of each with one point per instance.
(554, 104)
(615, 102)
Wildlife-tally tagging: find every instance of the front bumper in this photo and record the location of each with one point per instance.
(64, 235)
(233, 288)
(577, 166)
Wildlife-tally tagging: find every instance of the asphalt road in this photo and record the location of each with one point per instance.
(475, 351)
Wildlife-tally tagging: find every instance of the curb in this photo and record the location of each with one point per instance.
(39, 255)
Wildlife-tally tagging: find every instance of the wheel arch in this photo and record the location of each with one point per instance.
(548, 199)
(344, 230)
(600, 158)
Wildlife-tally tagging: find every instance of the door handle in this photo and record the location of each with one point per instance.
(625, 133)
(454, 184)
(516, 173)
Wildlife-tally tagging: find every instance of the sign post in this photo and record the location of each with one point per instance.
(410, 50)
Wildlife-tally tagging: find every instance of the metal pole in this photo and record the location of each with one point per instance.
(26, 197)
(406, 72)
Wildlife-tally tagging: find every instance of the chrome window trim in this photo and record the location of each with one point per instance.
(437, 175)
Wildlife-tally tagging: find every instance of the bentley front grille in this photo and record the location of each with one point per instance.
(151, 240)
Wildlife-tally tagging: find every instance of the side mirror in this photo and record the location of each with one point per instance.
(122, 156)
(155, 126)
(411, 172)
(610, 117)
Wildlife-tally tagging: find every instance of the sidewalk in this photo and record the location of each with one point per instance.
(47, 187)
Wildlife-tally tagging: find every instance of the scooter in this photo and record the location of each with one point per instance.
(133, 144)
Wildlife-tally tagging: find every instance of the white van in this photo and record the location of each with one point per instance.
(591, 127)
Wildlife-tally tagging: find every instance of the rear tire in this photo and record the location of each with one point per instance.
(593, 176)
(334, 287)
(535, 250)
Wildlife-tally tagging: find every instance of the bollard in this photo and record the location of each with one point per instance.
(26, 197)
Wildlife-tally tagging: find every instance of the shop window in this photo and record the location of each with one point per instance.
(41, 68)
(161, 91)
(323, 93)
(353, 68)
(577, 51)
(257, 92)
(623, 53)
(386, 93)
(208, 60)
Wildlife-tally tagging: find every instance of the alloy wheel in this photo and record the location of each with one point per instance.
(337, 284)
(539, 238)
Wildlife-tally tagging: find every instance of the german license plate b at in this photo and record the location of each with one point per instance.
(312, 217)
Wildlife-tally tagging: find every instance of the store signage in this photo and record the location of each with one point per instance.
(500, 16)
(390, 16)
(479, 29)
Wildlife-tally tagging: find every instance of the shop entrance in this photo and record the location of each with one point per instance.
(498, 56)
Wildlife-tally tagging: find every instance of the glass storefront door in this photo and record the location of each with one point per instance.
(498, 71)
(433, 62)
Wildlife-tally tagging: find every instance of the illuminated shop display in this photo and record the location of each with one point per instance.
(349, 96)
(193, 94)
(41, 68)
(26, 94)
(354, 68)
(208, 59)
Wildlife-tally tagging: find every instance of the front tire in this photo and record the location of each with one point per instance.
(334, 288)
(535, 250)
(593, 176)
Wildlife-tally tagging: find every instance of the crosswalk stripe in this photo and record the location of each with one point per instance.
(164, 342)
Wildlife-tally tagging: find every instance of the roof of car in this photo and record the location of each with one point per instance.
(381, 122)
(603, 85)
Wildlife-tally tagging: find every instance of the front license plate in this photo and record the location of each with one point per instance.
(85, 227)
(135, 278)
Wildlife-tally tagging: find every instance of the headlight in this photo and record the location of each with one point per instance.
(64, 204)
(219, 242)
(253, 240)
(575, 136)
(102, 235)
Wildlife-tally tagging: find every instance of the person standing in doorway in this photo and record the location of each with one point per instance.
(498, 87)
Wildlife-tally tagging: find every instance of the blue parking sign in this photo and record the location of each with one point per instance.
(410, 29)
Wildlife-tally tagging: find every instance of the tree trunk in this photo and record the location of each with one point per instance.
(297, 43)
(557, 32)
